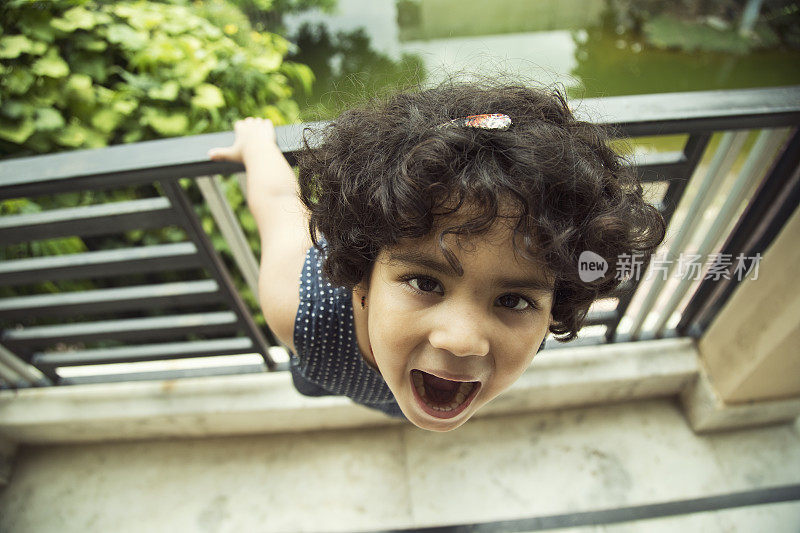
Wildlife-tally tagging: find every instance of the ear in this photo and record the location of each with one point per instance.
(361, 289)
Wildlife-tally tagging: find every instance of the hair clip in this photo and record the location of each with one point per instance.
(491, 121)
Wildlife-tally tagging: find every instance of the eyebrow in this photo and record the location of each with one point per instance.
(417, 258)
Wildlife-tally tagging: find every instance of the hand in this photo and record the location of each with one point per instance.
(253, 136)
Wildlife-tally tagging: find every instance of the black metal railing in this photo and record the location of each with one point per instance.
(24, 342)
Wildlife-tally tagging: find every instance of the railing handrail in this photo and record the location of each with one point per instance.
(695, 111)
(187, 156)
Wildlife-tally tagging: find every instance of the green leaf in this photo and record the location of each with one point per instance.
(75, 18)
(267, 61)
(180, 25)
(126, 37)
(15, 109)
(277, 90)
(19, 81)
(106, 120)
(133, 136)
(39, 28)
(45, 92)
(95, 139)
(79, 88)
(38, 48)
(191, 74)
(191, 45)
(124, 11)
(16, 132)
(273, 113)
(168, 91)
(208, 97)
(48, 119)
(12, 46)
(104, 96)
(79, 83)
(51, 65)
(161, 50)
(73, 135)
(166, 123)
(63, 25)
(300, 74)
(40, 142)
(125, 106)
(92, 65)
(146, 19)
(142, 82)
(88, 42)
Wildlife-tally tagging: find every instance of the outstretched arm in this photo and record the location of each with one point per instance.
(281, 218)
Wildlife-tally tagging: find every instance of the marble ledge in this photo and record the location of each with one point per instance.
(707, 412)
(268, 403)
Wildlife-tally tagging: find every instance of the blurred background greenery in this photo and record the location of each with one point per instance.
(77, 74)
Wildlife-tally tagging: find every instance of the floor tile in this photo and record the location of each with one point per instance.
(774, 518)
(325, 481)
(761, 457)
(490, 469)
(692, 523)
(539, 464)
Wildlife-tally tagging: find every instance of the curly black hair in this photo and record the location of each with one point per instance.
(388, 171)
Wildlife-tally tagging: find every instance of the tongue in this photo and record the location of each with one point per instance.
(440, 383)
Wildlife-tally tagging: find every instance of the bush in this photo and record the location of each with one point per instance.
(89, 73)
(85, 74)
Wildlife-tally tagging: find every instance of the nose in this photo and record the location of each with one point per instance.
(460, 333)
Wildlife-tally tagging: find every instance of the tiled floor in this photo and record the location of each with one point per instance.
(500, 468)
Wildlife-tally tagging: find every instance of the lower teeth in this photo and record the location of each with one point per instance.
(463, 391)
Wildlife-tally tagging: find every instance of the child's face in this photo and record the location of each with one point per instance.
(446, 345)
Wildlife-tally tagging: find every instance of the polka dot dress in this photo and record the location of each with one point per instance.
(328, 360)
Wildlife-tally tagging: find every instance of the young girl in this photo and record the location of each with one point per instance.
(433, 241)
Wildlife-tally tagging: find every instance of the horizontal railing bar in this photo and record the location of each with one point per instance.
(660, 166)
(693, 112)
(594, 340)
(595, 318)
(129, 164)
(145, 352)
(114, 299)
(101, 219)
(144, 329)
(254, 368)
(145, 162)
(100, 264)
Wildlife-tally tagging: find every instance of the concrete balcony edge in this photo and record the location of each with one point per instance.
(266, 403)
(707, 412)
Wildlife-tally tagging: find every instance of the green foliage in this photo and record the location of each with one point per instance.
(85, 74)
(89, 73)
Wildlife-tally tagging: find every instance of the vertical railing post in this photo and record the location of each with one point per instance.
(772, 205)
(692, 153)
(215, 265)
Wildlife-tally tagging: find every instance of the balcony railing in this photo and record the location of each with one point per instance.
(727, 184)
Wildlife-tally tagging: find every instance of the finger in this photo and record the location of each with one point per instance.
(219, 154)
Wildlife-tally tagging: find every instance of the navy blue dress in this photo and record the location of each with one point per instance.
(328, 361)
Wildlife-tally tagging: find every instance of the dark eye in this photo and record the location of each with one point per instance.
(423, 284)
(514, 302)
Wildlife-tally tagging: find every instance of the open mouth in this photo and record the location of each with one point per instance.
(442, 398)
